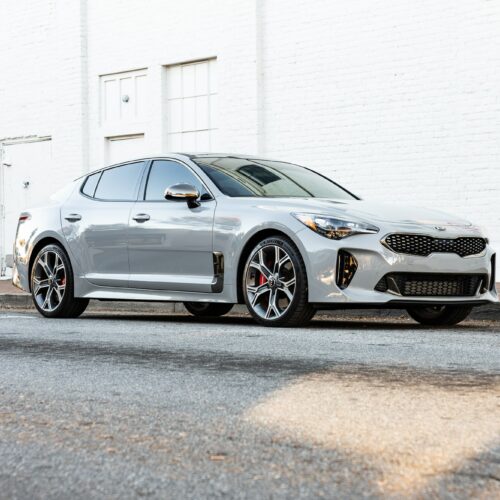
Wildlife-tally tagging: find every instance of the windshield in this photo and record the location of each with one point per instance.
(239, 177)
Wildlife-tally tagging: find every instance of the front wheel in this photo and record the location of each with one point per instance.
(439, 315)
(207, 309)
(275, 284)
(52, 285)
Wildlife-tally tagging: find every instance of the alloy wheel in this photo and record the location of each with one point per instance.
(270, 282)
(49, 281)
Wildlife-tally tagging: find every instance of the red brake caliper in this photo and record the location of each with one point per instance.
(262, 279)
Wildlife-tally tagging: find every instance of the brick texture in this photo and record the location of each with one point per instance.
(398, 101)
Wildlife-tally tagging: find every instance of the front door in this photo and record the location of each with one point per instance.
(96, 224)
(170, 244)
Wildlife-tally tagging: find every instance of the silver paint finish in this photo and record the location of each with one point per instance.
(117, 252)
(173, 250)
(98, 242)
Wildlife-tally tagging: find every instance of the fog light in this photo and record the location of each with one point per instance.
(346, 268)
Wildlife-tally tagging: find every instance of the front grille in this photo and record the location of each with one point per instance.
(432, 284)
(418, 244)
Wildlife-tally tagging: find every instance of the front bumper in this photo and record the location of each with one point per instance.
(374, 262)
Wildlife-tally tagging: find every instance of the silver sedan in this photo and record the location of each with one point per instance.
(213, 230)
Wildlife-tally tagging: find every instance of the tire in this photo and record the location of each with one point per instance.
(52, 276)
(440, 315)
(270, 295)
(207, 309)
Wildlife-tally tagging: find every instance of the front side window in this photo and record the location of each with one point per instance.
(120, 183)
(266, 178)
(166, 173)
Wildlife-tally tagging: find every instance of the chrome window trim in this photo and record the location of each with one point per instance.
(102, 170)
(204, 179)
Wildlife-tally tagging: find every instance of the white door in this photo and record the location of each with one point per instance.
(26, 175)
(124, 148)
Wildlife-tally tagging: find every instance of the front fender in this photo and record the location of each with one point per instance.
(233, 232)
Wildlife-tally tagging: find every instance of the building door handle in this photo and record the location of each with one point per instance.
(73, 217)
(141, 217)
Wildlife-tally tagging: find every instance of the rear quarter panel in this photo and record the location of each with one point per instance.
(43, 223)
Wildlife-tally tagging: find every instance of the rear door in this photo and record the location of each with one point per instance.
(96, 223)
(170, 244)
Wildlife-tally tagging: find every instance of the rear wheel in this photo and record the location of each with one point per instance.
(52, 285)
(207, 309)
(275, 284)
(440, 315)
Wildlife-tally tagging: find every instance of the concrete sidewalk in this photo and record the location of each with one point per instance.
(6, 287)
(13, 298)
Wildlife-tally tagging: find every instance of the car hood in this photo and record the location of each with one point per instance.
(370, 211)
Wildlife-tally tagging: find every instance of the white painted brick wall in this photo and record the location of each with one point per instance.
(41, 88)
(125, 35)
(397, 100)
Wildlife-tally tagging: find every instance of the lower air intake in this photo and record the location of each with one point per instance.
(346, 268)
(433, 284)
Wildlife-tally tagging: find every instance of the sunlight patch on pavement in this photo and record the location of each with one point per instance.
(412, 433)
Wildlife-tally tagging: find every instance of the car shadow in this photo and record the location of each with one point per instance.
(321, 322)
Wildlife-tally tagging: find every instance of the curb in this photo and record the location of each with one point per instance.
(23, 301)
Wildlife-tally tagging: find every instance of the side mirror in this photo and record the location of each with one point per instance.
(183, 192)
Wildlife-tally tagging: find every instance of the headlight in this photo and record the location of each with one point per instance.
(333, 228)
(484, 232)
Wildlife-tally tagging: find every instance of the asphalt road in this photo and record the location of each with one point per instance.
(170, 407)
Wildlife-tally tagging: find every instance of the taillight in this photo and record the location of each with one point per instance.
(23, 218)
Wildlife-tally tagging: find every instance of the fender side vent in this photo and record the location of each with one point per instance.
(218, 283)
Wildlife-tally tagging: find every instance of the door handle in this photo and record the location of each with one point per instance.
(73, 217)
(141, 217)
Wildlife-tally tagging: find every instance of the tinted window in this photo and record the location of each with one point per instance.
(90, 184)
(120, 183)
(250, 177)
(228, 185)
(166, 173)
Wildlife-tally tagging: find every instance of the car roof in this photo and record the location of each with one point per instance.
(178, 156)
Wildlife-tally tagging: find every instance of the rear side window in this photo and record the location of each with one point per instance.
(166, 173)
(90, 184)
(120, 183)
